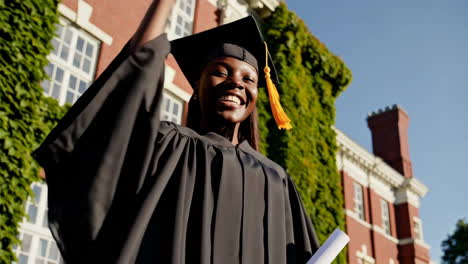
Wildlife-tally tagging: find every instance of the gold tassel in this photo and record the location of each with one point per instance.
(282, 120)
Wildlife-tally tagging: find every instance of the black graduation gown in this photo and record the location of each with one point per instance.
(125, 187)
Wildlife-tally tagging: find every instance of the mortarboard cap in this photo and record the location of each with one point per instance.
(240, 39)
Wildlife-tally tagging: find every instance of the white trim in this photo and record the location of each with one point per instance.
(270, 4)
(410, 240)
(383, 179)
(66, 12)
(81, 18)
(363, 255)
(405, 195)
(380, 230)
(170, 86)
(353, 215)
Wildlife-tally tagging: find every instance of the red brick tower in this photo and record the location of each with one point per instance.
(389, 129)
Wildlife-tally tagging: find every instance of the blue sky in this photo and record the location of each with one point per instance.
(415, 54)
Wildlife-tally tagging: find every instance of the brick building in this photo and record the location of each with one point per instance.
(381, 200)
(382, 197)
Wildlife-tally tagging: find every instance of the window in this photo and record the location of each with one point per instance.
(171, 108)
(417, 229)
(385, 216)
(359, 201)
(38, 246)
(35, 208)
(72, 63)
(180, 23)
(24, 251)
(47, 252)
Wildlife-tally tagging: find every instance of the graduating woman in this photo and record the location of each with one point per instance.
(125, 187)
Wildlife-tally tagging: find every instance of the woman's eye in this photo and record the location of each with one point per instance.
(248, 79)
(220, 73)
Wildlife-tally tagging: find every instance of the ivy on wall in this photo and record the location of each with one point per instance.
(311, 78)
(26, 115)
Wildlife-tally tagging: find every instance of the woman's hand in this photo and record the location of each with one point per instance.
(153, 22)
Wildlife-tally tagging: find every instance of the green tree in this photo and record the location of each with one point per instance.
(26, 28)
(311, 78)
(455, 247)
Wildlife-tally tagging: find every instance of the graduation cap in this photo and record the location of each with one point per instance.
(240, 39)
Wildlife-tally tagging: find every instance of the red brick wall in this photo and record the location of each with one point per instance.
(384, 249)
(360, 235)
(206, 16)
(72, 4)
(119, 19)
(404, 219)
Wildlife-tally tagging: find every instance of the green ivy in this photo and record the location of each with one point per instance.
(311, 79)
(26, 115)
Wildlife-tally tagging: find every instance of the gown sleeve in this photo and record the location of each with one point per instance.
(99, 154)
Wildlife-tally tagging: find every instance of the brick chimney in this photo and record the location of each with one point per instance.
(389, 128)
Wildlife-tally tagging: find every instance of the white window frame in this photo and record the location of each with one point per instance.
(417, 228)
(385, 213)
(180, 22)
(359, 205)
(66, 28)
(169, 104)
(37, 229)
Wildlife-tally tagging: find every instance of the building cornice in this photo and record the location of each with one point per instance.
(376, 167)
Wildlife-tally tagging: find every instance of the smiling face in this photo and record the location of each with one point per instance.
(227, 90)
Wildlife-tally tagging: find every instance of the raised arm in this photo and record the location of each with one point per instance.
(97, 157)
(153, 23)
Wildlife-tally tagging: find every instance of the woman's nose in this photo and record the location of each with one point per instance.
(235, 82)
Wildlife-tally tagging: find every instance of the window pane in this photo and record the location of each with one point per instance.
(175, 110)
(69, 98)
(49, 69)
(56, 45)
(179, 20)
(46, 85)
(42, 247)
(59, 30)
(23, 259)
(68, 36)
(72, 82)
(37, 193)
(77, 60)
(26, 245)
(188, 26)
(40, 261)
(178, 31)
(79, 44)
(59, 75)
(32, 212)
(168, 104)
(83, 86)
(64, 52)
(56, 91)
(89, 50)
(86, 65)
(53, 253)
(188, 10)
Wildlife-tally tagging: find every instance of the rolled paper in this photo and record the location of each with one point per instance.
(330, 249)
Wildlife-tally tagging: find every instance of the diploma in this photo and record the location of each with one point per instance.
(330, 249)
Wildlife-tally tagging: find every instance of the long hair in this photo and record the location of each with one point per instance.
(248, 129)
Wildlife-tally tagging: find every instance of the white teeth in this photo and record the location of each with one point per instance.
(231, 98)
